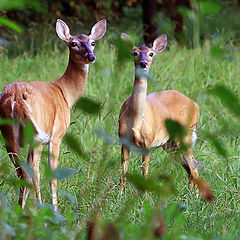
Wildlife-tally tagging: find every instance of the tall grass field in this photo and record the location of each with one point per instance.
(90, 206)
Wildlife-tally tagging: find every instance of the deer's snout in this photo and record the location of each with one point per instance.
(91, 57)
(143, 64)
(89, 54)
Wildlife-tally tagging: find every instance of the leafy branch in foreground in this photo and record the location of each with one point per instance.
(17, 4)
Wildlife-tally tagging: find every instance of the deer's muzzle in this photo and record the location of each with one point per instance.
(91, 57)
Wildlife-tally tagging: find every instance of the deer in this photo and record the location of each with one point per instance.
(47, 105)
(142, 120)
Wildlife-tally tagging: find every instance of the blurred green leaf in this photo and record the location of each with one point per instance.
(218, 145)
(187, 12)
(175, 129)
(9, 229)
(58, 218)
(228, 98)
(74, 145)
(148, 210)
(88, 105)
(47, 172)
(5, 121)
(149, 184)
(14, 4)
(63, 173)
(209, 8)
(68, 196)
(28, 169)
(173, 214)
(124, 50)
(19, 183)
(8, 5)
(28, 133)
(216, 51)
(176, 132)
(133, 147)
(106, 137)
(10, 24)
(142, 73)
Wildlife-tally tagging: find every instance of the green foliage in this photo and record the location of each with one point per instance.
(209, 19)
(176, 131)
(10, 24)
(90, 165)
(88, 105)
(209, 8)
(63, 173)
(6, 5)
(150, 184)
(74, 145)
(15, 4)
(28, 133)
(124, 50)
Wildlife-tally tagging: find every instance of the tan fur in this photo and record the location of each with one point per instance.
(47, 106)
(160, 106)
(142, 117)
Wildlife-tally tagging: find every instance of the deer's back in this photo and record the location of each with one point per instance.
(40, 102)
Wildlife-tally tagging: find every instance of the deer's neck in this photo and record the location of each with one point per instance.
(73, 81)
(139, 100)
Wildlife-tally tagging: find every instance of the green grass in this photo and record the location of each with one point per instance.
(94, 189)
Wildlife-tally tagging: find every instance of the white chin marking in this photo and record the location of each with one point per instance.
(86, 67)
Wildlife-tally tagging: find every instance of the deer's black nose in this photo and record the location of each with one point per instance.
(91, 57)
(143, 64)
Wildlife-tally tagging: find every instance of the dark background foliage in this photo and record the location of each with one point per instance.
(155, 16)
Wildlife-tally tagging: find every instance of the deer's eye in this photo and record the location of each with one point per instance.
(73, 44)
(135, 54)
(93, 43)
(151, 54)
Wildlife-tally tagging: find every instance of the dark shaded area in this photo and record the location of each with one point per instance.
(149, 13)
(171, 10)
(150, 27)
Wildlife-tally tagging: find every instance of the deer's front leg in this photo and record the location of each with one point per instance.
(125, 163)
(54, 148)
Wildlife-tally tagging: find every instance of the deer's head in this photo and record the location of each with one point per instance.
(81, 46)
(143, 55)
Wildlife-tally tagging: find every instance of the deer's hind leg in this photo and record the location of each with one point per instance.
(34, 156)
(11, 135)
(190, 165)
(189, 162)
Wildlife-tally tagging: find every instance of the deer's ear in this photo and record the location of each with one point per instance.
(62, 30)
(125, 37)
(98, 30)
(160, 43)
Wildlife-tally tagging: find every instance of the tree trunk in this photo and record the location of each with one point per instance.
(170, 8)
(149, 25)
